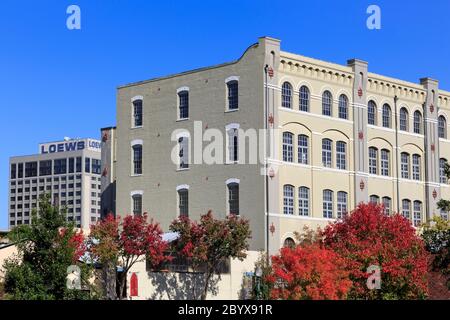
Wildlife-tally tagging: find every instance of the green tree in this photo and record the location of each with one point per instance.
(46, 249)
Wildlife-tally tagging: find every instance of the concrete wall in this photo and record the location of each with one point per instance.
(178, 286)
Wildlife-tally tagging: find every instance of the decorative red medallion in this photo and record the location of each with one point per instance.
(105, 172)
(360, 92)
(270, 72)
(361, 135)
(105, 136)
(434, 193)
(432, 147)
(271, 119)
(271, 173)
(431, 108)
(362, 185)
(272, 229)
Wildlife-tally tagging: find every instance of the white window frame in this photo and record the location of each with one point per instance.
(135, 143)
(288, 200)
(133, 99)
(231, 131)
(303, 201)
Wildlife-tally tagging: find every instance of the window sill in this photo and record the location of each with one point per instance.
(231, 162)
(183, 169)
(133, 128)
(136, 175)
(182, 119)
(231, 110)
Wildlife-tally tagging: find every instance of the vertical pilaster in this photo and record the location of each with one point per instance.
(432, 179)
(360, 150)
(108, 199)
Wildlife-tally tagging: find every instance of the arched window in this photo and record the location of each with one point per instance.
(343, 106)
(183, 104)
(327, 103)
(406, 208)
(326, 152)
(417, 122)
(232, 131)
(341, 204)
(328, 204)
(304, 99)
(442, 127)
(417, 213)
(303, 201)
(404, 165)
(387, 204)
(137, 113)
(289, 243)
(442, 176)
(372, 113)
(341, 155)
(404, 117)
(288, 147)
(373, 160)
(303, 149)
(286, 95)
(288, 199)
(374, 199)
(385, 160)
(386, 116)
(233, 94)
(233, 198)
(416, 167)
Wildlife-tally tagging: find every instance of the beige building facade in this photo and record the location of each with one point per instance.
(333, 136)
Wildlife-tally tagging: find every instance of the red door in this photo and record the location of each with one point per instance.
(134, 285)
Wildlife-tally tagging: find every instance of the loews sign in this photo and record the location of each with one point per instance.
(70, 145)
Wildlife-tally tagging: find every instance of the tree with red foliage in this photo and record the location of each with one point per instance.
(368, 237)
(209, 242)
(125, 243)
(308, 273)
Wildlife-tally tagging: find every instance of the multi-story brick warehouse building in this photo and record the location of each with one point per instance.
(337, 135)
(69, 170)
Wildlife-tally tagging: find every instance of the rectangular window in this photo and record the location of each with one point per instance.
(87, 165)
(341, 204)
(71, 165)
(384, 162)
(183, 145)
(60, 166)
(13, 171)
(137, 159)
(96, 166)
(341, 155)
(233, 95)
(45, 168)
(137, 106)
(183, 97)
(288, 155)
(373, 160)
(303, 201)
(20, 170)
(326, 153)
(79, 164)
(137, 205)
(233, 198)
(31, 169)
(405, 165)
(233, 145)
(183, 202)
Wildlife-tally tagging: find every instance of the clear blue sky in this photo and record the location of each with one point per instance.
(55, 82)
